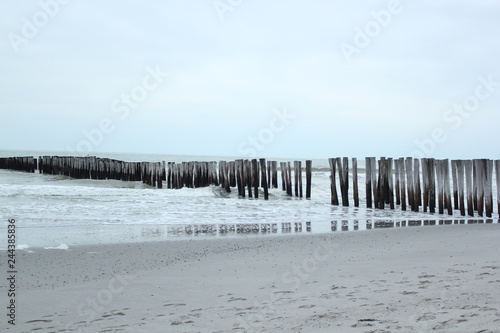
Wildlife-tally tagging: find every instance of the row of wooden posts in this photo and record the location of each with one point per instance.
(401, 182)
(247, 175)
(405, 182)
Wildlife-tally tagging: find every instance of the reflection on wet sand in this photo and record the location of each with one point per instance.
(299, 227)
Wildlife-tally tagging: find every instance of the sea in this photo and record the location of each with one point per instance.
(59, 212)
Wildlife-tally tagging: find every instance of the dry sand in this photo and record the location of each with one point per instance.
(413, 279)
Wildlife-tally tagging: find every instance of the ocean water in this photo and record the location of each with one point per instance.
(57, 211)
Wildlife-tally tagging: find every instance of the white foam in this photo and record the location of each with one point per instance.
(60, 247)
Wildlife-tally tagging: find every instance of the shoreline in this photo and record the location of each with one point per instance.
(445, 278)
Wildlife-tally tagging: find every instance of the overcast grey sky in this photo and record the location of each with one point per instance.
(279, 78)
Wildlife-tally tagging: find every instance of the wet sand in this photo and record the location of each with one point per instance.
(417, 279)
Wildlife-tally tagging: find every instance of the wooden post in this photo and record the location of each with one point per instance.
(382, 183)
(409, 182)
(474, 185)
(333, 183)
(227, 180)
(343, 168)
(416, 182)
(440, 185)
(239, 178)
(396, 176)
(248, 165)
(269, 170)
(402, 180)
(390, 183)
(283, 175)
(480, 171)
(308, 178)
(368, 185)
(432, 184)
(355, 181)
(497, 177)
(255, 173)
(289, 179)
(460, 184)
(488, 186)
(296, 175)
(454, 175)
(469, 187)
(264, 175)
(447, 188)
(232, 176)
(374, 186)
(275, 174)
(299, 165)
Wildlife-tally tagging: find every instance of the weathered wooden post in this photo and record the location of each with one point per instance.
(249, 173)
(300, 178)
(283, 175)
(269, 171)
(289, 179)
(432, 185)
(264, 178)
(374, 186)
(368, 185)
(355, 181)
(460, 184)
(469, 188)
(416, 181)
(488, 186)
(390, 182)
(447, 189)
(239, 178)
(333, 184)
(232, 176)
(409, 182)
(454, 175)
(425, 183)
(382, 183)
(296, 176)
(255, 173)
(397, 172)
(480, 170)
(275, 174)
(440, 185)
(343, 167)
(497, 176)
(308, 178)
(474, 186)
(402, 182)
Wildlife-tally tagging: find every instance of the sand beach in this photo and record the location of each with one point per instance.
(413, 279)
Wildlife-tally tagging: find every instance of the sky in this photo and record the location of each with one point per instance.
(311, 79)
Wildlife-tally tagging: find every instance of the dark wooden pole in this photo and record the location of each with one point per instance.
(488, 187)
(299, 165)
(355, 182)
(497, 176)
(409, 182)
(264, 178)
(469, 187)
(255, 173)
(447, 188)
(368, 185)
(333, 184)
(402, 182)
(390, 183)
(454, 175)
(308, 178)
(397, 183)
(416, 181)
